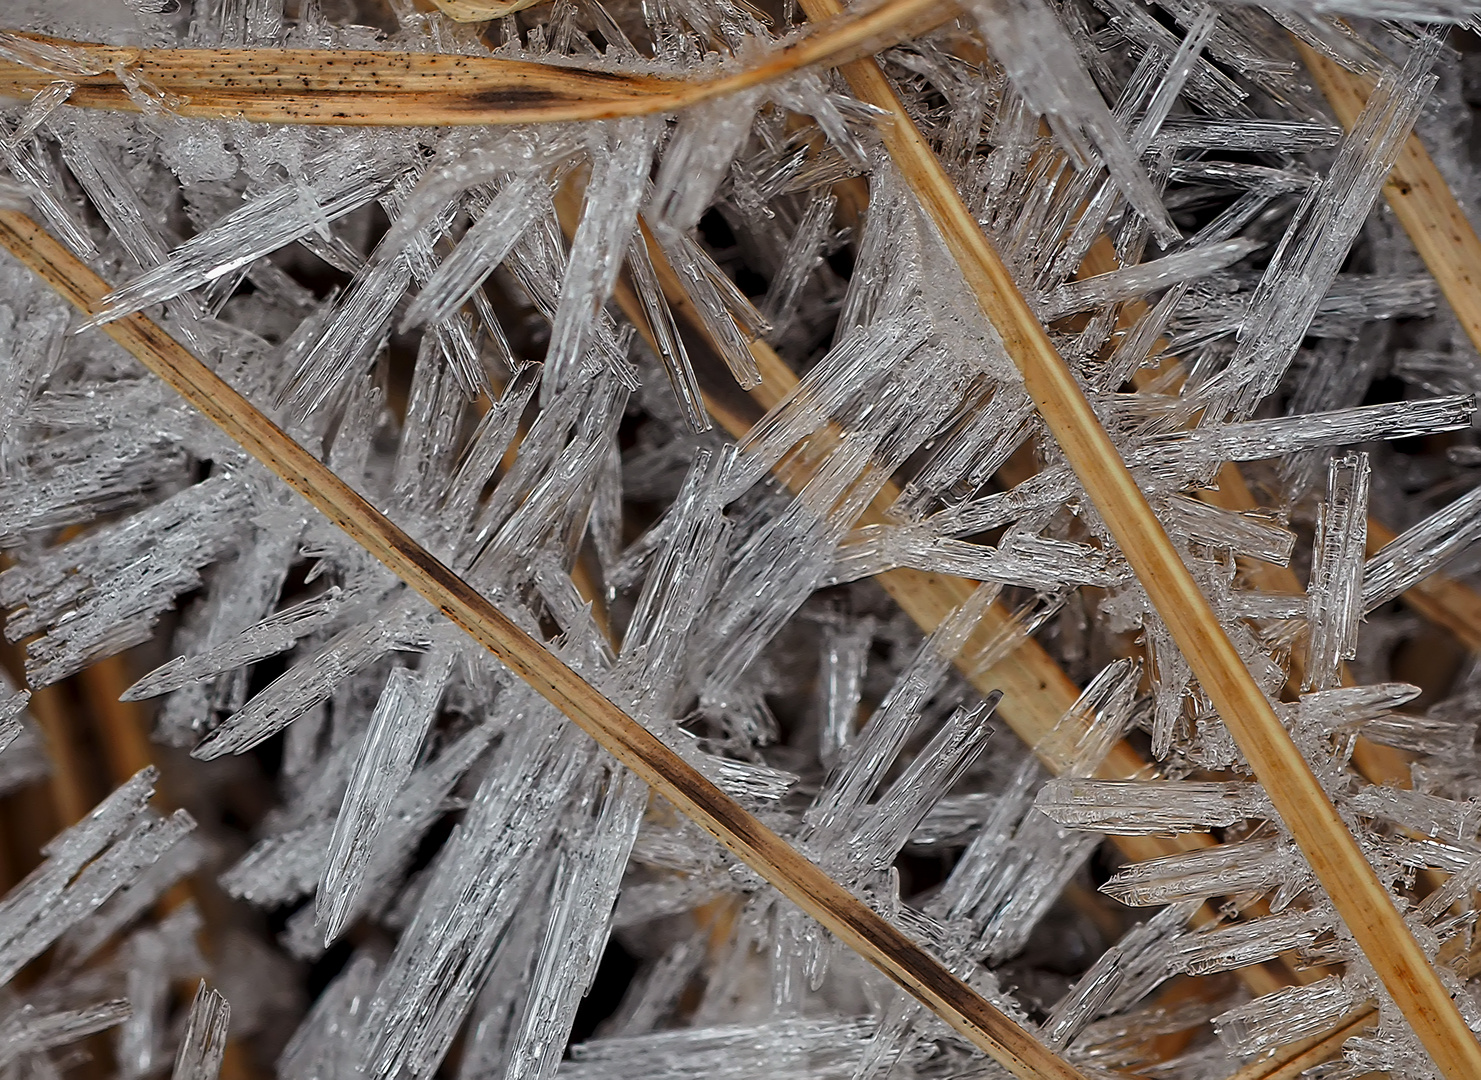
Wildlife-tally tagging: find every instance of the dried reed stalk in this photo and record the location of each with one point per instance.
(122, 727)
(398, 89)
(1449, 604)
(484, 10)
(67, 786)
(1417, 186)
(1308, 813)
(481, 10)
(123, 733)
(1036, 692)
(1379, 764)
(800, 880)
(1441, 599)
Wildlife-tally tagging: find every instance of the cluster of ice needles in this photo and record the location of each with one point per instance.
(702, 401)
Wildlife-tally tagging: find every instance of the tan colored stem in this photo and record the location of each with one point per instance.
(122, 726)
(123, 732)
(1417, 186)
(1308, 813)
(1449, 604)
(348, 87)
(68, 789)
(70, 792)
(1036, 692)
(1379, 764)
(484, 10)
(847, 917)
(1450, 248)
(481, 10)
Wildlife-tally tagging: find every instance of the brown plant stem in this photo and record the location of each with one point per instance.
(1291, 1061)
(1451, 249)
(1379, 764)
(1450, 604)
(399, 89)
(123, 732)
(70, 796)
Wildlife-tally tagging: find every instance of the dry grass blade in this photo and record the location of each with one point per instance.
(1289, 1062)
(1036, 691)
(70, 798)
(1308, 813)
(1451, 250)
(483, 10)
(847, 917)
(320, 86)
(480, 10)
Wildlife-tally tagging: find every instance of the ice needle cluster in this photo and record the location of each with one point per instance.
(702, 401)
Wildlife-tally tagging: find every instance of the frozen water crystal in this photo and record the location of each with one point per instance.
(204, 1043)
(1335, 589)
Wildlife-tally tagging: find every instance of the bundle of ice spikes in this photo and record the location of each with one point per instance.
(708, 343)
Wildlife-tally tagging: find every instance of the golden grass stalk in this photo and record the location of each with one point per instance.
(67, 787)
(1060, 408)
(481, 10)
(1444, 601)
(398, 89)
(1379, 764)
(800, 880)
(123, 735)
(1449, 604)
(484, 10)
(1308, 813)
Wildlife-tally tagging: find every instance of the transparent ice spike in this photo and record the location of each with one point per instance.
(203, 1046)
(1151, 807)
